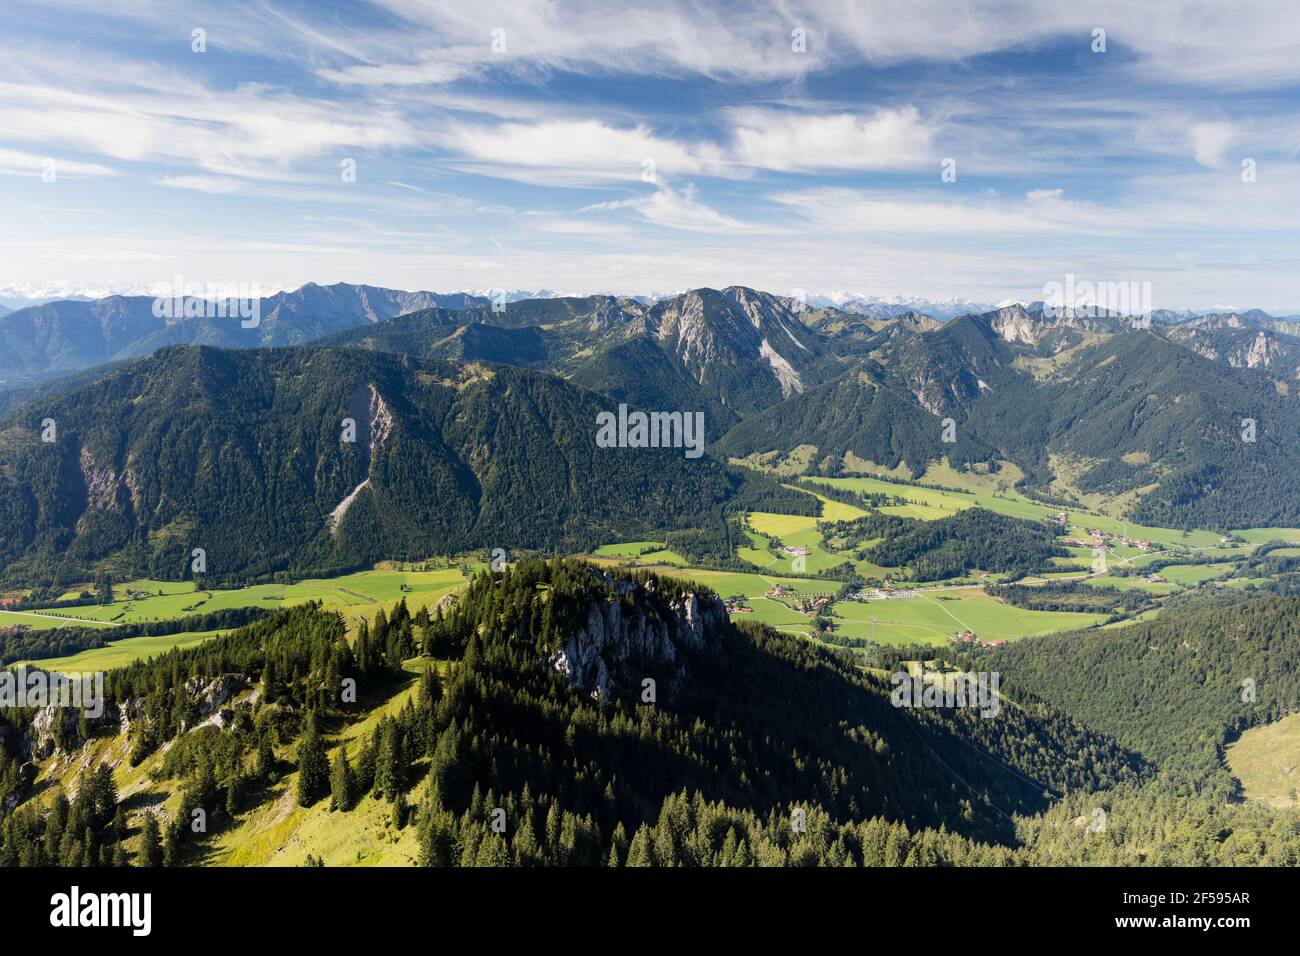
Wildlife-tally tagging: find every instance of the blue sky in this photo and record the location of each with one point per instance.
(647, 147)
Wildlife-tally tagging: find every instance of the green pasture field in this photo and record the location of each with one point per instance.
(934, 619)
(1267, 762)
(648, 552)
(126, 651)
(48, 620)
(931, 503)
(363, 592)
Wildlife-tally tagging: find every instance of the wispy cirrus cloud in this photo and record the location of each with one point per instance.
(577, 152)
(782, 140)
(19, 163)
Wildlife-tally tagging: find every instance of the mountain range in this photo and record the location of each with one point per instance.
(246, 454)
(55, 338)
(472, 412)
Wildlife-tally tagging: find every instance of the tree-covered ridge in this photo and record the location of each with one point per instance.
(747, 726)
(1177, 689)
(1177, 417)
(1128, 409)
(764, 719)
(771, 751)
(858, 413)
(1158, 825)
(300, 670)
(1075, 596)
(242, 454)
(974, 538)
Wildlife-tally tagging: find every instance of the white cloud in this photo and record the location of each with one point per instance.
(246, 133)
(1195, 41)
(576, 152)
(18, 163)
(851, 210)
(683, 210)
(1210, 141)
(678, 209)
(434, 72)
(1161, 206)
(216, 185)
(787, 140)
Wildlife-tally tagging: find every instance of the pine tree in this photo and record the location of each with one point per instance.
(313, 765)
(342, 785)
(151, 853)
(235, 792)
(265, 758)
(270, 687)
(171, 843)
(639, 853)
(400, 810)
(390, 766)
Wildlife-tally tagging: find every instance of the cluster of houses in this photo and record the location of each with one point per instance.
(887, 592)
(737, 605)
(1100, 539)
(795, 552)
(1096, 538)
(968, 637)
(812, 603)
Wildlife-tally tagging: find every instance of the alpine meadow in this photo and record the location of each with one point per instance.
(596, 435)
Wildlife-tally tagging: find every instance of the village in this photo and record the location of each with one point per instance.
(1096, 538)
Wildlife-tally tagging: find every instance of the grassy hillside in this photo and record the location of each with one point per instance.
(1266, 760)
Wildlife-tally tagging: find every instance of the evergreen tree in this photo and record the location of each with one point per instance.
(390, 765)
(313, 765)
(270, 686)
(265, 758)
(342, 784)
(151, 851)
(400, 810)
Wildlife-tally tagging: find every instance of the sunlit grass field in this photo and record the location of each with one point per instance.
(1267, 762)
(929, 503)
(651, 552)
(46, 620)
(934, 619)
(356, 596)
(362, 592)
(127, 651)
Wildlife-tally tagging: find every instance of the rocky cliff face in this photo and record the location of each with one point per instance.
(55, 728)
(1241, 346)
(633, 634)
(1014, 324)
(750, 347)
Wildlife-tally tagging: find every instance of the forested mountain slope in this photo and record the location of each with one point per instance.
(243, 454)
(535, 711)
(1104, 408)
(1176, 689)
